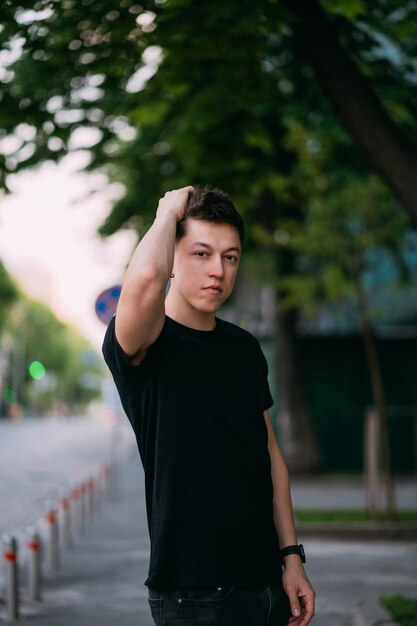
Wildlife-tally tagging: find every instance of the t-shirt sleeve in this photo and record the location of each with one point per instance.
(113, 353)
(129, 379)
(117, 360)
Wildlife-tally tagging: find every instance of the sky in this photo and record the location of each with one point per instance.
(48, 240)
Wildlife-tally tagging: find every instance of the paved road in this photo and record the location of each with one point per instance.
(40, 456)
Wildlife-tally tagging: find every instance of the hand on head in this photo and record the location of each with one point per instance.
(175, 201)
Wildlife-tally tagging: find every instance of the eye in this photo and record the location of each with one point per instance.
(231, 257)
(201, 253)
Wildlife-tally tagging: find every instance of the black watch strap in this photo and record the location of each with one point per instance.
(294, 550)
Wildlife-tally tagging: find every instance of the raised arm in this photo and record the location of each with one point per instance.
(141, 309)
(295, 582)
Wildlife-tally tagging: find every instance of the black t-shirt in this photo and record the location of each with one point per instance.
(196, 406)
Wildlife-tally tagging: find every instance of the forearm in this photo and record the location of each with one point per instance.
(282, 505)
(295, 582)
(141, 307)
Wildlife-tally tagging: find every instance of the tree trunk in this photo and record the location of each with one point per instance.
(379, 398)
(385, 147)
(296, 431)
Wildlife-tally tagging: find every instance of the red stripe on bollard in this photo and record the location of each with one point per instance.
(64, 503)
(9, 556)
(33, 542)
(51, 517)
(52, 554)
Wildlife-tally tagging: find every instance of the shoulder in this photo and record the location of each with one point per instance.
(236, 332)
(115, 356)
(243, 342)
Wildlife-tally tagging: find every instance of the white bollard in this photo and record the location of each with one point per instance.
(83, 506)
(111, 481)
(76, 511)
(92, 484)
(52, 546)
(34, 573)
(105, 472)
(64, 520)
(88, 499)
(97, 491)
(10, 560)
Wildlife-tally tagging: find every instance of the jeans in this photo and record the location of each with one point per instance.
(221, 606)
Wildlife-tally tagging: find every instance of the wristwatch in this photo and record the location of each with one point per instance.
(294, 550)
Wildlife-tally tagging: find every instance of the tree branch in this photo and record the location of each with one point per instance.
(385, 147)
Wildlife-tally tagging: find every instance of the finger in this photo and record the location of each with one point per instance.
(308, 610)
(185, 191)
(294, 621)
(294, 604)
(180, 190)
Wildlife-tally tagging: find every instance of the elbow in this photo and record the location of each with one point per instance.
(149, 274)
(146, 280)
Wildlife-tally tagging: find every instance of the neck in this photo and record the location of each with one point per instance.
(188, 316)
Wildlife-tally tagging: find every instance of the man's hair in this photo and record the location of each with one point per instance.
(211, 205)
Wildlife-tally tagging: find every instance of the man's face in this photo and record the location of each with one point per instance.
(206, 264)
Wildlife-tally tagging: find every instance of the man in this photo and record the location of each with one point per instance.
(223, 545)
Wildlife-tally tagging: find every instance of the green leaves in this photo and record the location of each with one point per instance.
(8, 294)
(187, 92)
(32, 335)
(349, 9)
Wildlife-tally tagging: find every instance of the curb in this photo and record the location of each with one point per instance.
(372, 614)
(401, 531)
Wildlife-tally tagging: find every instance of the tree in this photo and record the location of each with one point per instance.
(386, 147)
(48, 363)
(229, 86)
(68, 64)
(8, 293)
(343, 240)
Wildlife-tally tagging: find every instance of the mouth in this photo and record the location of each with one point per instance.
(213, 289)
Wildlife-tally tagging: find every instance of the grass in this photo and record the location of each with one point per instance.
(349, 516)
(403, 610)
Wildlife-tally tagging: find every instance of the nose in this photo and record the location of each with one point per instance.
(216, 268)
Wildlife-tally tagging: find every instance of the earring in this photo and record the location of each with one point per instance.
(172, 275)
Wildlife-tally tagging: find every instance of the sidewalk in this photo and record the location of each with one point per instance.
(335, 493)
(100, 582)
(330, 491)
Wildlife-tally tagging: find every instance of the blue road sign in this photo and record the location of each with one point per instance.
(106, 303)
